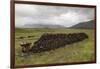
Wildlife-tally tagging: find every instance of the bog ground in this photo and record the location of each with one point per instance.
(78, 52)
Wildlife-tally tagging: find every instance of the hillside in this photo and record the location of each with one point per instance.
(42, 26)
(85, 25)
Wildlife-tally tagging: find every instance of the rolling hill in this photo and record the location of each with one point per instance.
(43, 26)
(84, 25)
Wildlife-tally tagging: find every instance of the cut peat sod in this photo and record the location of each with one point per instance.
(49, 42)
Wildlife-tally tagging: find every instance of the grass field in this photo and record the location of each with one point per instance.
(78, 52)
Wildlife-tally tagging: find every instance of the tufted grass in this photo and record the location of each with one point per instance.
(78, 52)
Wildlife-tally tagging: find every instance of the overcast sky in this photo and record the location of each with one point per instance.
(41, 14)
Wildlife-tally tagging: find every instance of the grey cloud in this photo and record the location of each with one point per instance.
(38, 10)
(66, 16)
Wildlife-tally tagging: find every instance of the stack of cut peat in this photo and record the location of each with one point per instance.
(49, 42)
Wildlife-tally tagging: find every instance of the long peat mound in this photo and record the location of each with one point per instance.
(49, 42)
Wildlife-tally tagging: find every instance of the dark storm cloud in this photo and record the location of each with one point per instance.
(66, 16)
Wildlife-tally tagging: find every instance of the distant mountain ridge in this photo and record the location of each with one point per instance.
(43, 26)
(82, 25)
(85, 25)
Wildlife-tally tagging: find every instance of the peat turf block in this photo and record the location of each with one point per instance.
(49, 42)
